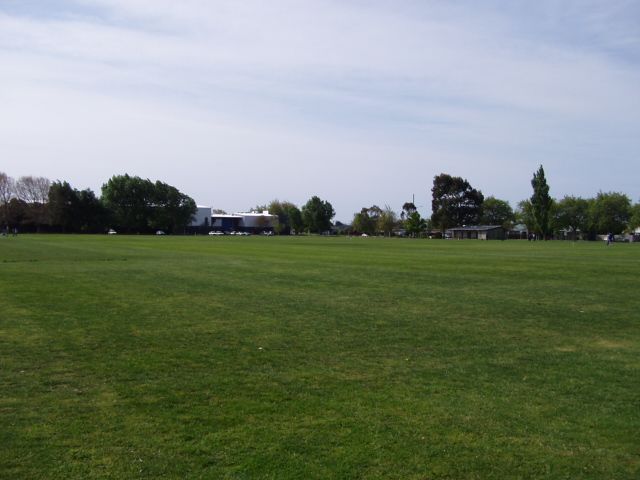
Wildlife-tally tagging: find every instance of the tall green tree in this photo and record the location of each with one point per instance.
(128, 200)
(7, 192)
(611, 212)
(634, 219)
(387, 221)
(92, 214)
(139, 205)
(295, 218)
(496, 212)
(363, 223)
(171, 210)
(541, 204)
(572, 213)
(283, 211)
(454, 202)
(72, 210)
(407, 209)
(414, 224)
(63, 206)
(317, 215)
(524, 215)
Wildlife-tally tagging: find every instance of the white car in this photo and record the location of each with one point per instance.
(111, 232)
(215, 233)
(160, 232)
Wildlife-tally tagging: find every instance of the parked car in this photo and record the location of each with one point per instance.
(160, 232)
(111, 231)
(215, 233)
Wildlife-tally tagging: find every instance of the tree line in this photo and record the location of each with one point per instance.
(135, 205)
(313, 217)
(456, 203)
(127, 203)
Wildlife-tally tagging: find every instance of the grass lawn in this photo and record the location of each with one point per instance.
(199, 357)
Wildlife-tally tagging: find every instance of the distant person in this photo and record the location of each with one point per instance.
(15, 231)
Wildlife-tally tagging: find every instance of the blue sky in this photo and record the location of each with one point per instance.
(359, 102)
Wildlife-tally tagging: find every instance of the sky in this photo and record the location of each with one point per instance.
(237, 103)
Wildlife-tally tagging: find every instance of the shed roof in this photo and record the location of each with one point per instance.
(475, 228)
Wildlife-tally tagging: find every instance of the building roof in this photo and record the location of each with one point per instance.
(255, 214)
(475, 228)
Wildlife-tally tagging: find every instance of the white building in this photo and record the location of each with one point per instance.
(244, 221)
(202, 217)
(258, 220)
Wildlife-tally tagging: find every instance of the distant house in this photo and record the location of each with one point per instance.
(204, 221)
(252, 222)
(518, 232)
(256, 222)
(478, 232)
(225, 222)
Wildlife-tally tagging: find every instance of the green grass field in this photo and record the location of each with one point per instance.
(199, 357)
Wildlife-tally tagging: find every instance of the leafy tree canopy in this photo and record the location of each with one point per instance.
(139, 205)
(387, 220)
(317, 215)
(454, 202)
(634, 221)
(415, 225)
(573, 214)
(295, 218)
(75, 210)
(283, 210)
(611, 212)
(496, 212)
(407, 209)
(541, 204)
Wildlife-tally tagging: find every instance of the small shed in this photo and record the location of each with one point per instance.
(478, 232)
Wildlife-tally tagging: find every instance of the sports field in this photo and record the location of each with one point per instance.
(200, 357)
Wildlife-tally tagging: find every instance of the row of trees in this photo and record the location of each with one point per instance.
(129, 204)
(23, 201)
(607, 212)
(456, 203)
(133, 204)
(314, 216)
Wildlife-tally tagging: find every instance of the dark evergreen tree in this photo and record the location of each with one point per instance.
(541, 204)
(317, 215)
(496, 212)
(139, 205)
(454, 202)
